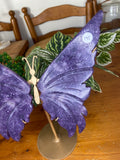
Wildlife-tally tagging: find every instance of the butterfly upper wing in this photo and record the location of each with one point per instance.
(62, 86)
(15, 103)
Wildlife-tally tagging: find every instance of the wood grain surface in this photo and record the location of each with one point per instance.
(16, 48)
(101, 138)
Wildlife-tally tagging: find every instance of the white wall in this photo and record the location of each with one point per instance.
(35, 7)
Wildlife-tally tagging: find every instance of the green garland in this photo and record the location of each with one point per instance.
(17, 65)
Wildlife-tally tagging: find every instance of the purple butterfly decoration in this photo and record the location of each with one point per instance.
(62, 86)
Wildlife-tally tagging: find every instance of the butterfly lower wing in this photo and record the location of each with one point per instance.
(15, 103)
(62, 85)
(19, 117)
(64, 100)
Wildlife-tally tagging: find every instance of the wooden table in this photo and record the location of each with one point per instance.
(16, 48)
(101, 138)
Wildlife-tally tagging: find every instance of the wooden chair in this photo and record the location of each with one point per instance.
(19, 46)
(12, 26)
(97, 6)
(56, 13)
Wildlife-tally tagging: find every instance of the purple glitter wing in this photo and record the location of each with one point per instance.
(62, 86)
(15, 103)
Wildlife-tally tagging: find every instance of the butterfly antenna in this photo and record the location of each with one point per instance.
(33, 61)
(24, 58)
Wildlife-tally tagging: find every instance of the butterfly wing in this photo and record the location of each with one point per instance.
(62, 86)
(15, 103)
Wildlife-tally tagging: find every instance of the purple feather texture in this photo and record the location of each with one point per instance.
(62, 86)
(15, 103)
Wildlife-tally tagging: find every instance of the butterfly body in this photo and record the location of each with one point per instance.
(33, 81)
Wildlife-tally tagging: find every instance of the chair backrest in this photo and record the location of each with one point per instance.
(12, 26)
(56, 13)
(97, 6)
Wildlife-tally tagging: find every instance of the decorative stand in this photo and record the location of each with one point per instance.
(53, 141)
